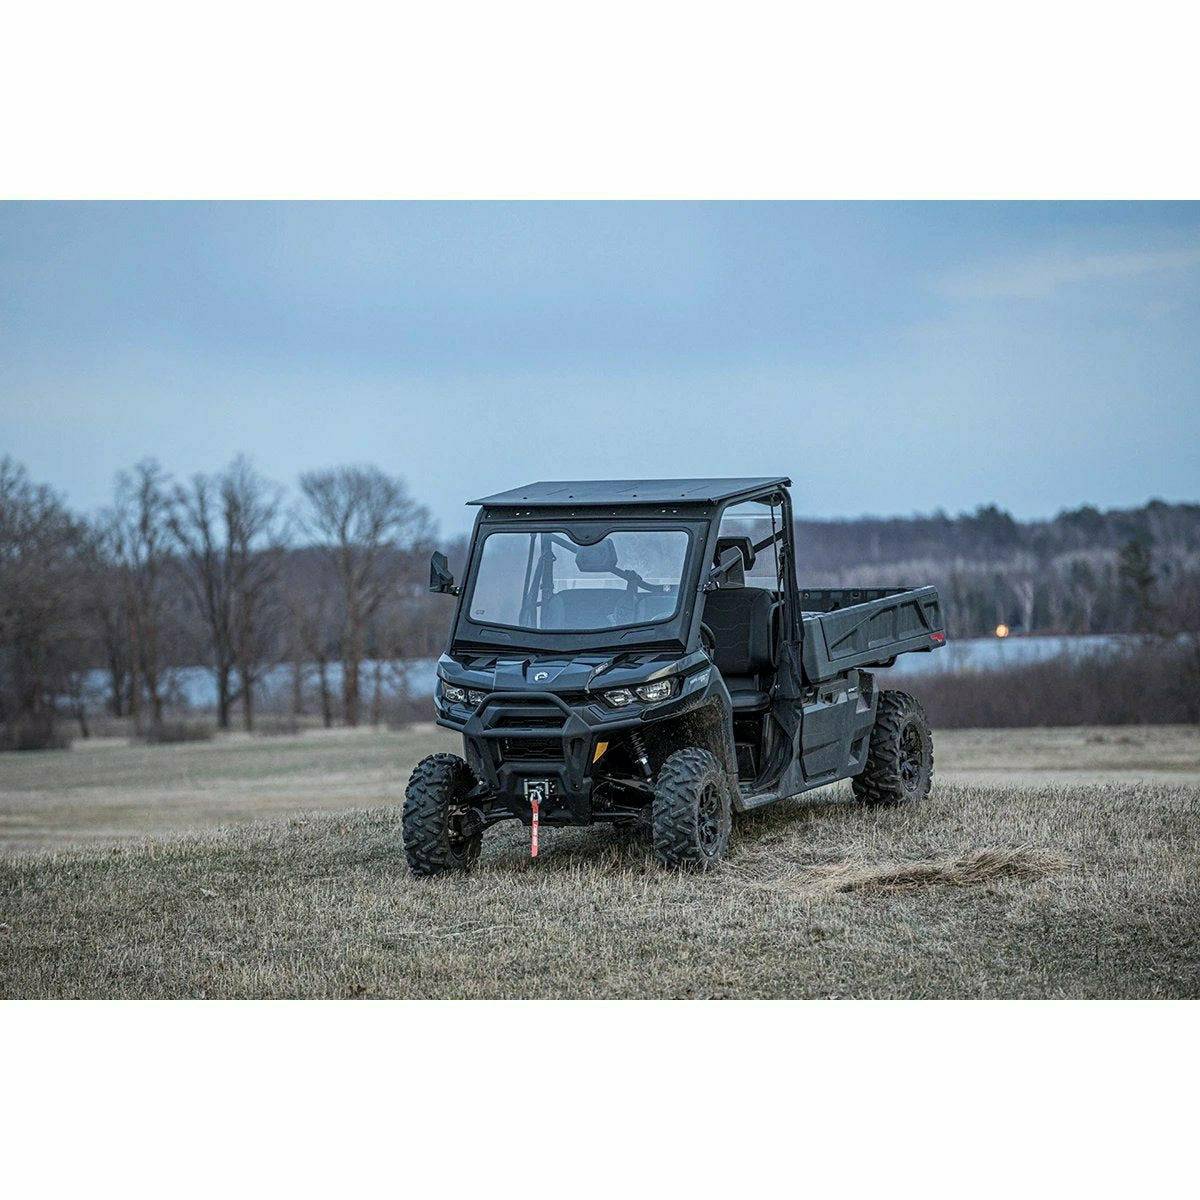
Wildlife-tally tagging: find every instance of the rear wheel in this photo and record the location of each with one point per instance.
(438, 837)
(692, 815)
(899, 766)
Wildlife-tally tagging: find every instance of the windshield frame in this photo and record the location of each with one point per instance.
(564, 528)
(664, 631)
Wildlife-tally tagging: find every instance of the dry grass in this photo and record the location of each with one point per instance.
(110, 790)
(1060, 889)
(968, 870)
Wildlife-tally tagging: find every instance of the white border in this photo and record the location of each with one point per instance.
(621, 100)
(742, 1099)
(649, 99)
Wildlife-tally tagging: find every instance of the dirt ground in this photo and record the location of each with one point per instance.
(105, 790)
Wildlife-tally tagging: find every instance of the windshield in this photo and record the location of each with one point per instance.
(546, 580)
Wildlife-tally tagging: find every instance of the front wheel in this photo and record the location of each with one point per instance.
(899, 766)
(438, 838)
(692, 814)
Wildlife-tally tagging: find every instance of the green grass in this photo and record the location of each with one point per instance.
(1033, 889)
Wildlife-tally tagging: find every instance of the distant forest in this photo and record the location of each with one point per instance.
(1084, 571)
(324, 586)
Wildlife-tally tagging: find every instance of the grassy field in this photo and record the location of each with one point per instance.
(1045, 863)
(108, 790)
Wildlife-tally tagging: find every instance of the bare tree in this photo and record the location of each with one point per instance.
(1180, 623)
(76, 686)
(297, 658)
(1082, 589)
(360, 516)
(1023, 575)
(104, 604)
(387, 657)
(208, 577)
(229, 533)
(256, 534)
(399, 633)
(138, 527)
(312, 633)
(42, 633)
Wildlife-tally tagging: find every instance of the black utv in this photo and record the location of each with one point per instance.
(640, 652)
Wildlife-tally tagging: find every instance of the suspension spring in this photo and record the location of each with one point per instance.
(639, 752)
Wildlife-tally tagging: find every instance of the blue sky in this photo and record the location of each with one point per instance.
(891, 358)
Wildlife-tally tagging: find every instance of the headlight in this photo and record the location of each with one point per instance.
(619, 697)
(655, 691)
(476, 697)
(454, 694)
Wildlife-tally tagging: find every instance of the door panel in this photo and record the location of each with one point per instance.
(826, 730)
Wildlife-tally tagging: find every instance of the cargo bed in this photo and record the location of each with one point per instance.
(864, 627)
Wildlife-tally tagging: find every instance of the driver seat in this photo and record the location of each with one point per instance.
(740, 620)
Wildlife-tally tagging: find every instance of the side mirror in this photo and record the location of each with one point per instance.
(440, 578)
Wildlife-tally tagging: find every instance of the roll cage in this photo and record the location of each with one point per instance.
(642, 505)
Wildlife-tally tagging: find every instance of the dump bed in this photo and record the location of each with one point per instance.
(863, 627)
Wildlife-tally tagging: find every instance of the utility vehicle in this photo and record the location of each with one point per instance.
(640, 652)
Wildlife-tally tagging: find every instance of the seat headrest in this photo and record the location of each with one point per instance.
(744, 544)
(599, 557)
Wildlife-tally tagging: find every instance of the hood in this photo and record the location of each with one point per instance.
(497, 673)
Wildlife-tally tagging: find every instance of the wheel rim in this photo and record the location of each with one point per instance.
(455, 816)
(708, 826)
(912, 754)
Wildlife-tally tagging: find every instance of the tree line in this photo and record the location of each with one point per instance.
(324, 586)
(1084, 571)
(220, 570)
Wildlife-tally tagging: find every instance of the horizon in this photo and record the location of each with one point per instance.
(895, 359)
(293, 501)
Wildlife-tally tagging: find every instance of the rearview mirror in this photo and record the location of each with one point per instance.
(440, 578)
(725, 564)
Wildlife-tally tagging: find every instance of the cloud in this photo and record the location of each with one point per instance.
(1039, 277)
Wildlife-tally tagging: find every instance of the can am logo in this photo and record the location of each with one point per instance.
(540, 676)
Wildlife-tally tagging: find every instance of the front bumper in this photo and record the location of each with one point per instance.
(516, 736)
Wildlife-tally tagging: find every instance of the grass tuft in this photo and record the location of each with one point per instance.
(973, 869)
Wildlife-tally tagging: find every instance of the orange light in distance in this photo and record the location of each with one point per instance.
(1002, 631)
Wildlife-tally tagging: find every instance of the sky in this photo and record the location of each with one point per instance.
(890, 358)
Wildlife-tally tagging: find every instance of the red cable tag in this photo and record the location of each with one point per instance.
(533, 804)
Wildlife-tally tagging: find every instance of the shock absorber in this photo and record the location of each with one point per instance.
(639, 752)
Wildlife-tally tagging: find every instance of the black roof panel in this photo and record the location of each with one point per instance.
(572, 493)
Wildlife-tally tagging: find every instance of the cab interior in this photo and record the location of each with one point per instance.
(743, 618)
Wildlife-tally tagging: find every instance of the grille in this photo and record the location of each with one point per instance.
(552, 720)
(524, 749)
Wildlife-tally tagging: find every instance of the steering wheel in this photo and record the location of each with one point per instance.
(707, 640)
